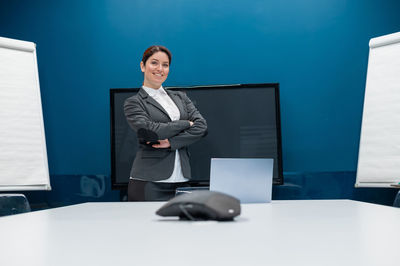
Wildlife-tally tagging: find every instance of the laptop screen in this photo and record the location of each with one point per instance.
(248, 179)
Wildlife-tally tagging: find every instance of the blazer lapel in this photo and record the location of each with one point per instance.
(178, 101)
(151, 101)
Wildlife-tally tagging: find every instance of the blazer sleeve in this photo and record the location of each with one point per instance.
(193, 133)
(138, 118)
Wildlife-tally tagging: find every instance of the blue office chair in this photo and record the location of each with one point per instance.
(396, 202)
(13, 204)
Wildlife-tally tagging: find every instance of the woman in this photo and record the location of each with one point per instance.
(159, 168)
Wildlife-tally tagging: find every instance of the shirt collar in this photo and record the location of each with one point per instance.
(154, 92)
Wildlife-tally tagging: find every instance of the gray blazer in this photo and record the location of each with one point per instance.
(142, 111)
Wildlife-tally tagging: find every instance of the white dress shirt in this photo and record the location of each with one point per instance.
(161, 96)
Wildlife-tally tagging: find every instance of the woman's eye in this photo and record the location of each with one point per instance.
(165, 65)
(154, 63)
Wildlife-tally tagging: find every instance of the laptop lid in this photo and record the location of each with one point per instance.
(248, 179)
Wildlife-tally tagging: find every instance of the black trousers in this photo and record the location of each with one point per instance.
(139, 190)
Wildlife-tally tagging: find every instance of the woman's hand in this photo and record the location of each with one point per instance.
(191, 123)
(163, 144)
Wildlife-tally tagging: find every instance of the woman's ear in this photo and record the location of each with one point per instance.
(142, 66)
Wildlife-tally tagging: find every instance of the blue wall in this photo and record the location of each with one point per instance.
(316, 49)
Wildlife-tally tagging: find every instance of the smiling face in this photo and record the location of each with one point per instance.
(155, 70)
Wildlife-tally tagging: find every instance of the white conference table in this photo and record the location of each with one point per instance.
(308, 232)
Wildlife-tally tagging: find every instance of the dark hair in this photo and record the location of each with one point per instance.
(154, 49)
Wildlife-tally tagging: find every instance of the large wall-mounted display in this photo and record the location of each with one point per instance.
(243, 122)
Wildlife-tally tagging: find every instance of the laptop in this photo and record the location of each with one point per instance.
(248, 179)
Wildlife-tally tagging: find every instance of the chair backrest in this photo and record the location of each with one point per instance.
(396, 202)
(13, 204)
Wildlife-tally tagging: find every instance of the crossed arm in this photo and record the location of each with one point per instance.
(174, 134)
